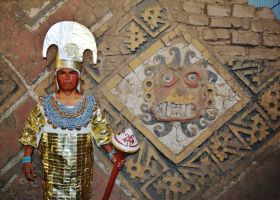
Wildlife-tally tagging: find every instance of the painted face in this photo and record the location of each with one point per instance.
(178, 93)
(67, 79)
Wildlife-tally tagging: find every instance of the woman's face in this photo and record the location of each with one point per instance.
(67, 79)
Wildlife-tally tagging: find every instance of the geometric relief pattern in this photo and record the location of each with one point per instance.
(194, 114)
(192, 111)
(135, 37)
(171, 185)
(251, 127)
(225, 145)
(31, 16)
(147, 21)
(195, 118)
(47, 85)
(255, 74)
(151, 17)
(174, 96)
(205, 165)
(228, 147)
(222, 151)
(11, 87)
(270, 101)
(138, 29)
(156, 179)
(202, 169)
(147, 165)
(7, 86)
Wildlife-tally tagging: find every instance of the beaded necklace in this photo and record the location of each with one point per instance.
(66, 117)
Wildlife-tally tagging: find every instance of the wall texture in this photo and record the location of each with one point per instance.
(197, 80)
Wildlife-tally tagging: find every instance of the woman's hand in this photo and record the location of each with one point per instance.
(29, 171)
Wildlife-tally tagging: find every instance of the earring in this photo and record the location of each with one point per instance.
(80, 87)
(56, 86)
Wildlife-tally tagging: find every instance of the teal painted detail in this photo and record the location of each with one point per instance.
(26, 159)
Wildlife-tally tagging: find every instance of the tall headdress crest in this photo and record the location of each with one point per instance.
(72, 39)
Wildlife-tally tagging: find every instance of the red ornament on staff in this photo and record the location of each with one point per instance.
(125, 143)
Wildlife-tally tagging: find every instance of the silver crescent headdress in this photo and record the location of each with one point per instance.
(72, 39)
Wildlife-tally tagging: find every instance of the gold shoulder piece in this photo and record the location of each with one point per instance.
(32, 127)
(99, 126)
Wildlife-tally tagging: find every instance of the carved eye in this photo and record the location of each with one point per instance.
(192, 77)
(167, 78)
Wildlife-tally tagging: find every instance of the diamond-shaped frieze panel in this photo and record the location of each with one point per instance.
(170, 185)
(227, 147)
(152, 17)
(270, 101)
(201, 169)
(11, 87)
(135, 32)
(176, 95)
(255, 74)
(147, 165)
(155, 178)
(34, 12)
(251, 127)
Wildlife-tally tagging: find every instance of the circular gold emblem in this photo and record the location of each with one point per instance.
(71, 50)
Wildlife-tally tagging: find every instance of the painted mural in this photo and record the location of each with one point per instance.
(176, 94)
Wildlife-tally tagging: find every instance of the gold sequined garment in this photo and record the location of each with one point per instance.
(67, 155)
(67, 163)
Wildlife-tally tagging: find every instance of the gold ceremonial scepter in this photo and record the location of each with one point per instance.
(125, 143)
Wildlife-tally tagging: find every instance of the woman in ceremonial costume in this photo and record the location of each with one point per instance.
(67, 122)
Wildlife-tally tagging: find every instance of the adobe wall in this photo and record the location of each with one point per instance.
(197, 81)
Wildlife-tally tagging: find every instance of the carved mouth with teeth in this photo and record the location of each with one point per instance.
(167, 111)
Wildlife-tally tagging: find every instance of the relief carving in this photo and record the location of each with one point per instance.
(136, 37)
(11, 87)
(201, 169)
(173, 94)
(147, 165)
(270, 101)
(251, 126)
(7, 86)
(32, 17)
(226, 145)
(187, 105)
(172, 185)
(176, 92)
(152, 16)
(255, 74)
(196, 117)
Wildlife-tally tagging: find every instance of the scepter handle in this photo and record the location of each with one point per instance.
(120, 156)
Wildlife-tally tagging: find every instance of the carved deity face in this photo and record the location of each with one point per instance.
(178, 92)
(67, 79)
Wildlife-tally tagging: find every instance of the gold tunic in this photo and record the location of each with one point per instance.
(67, 158)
